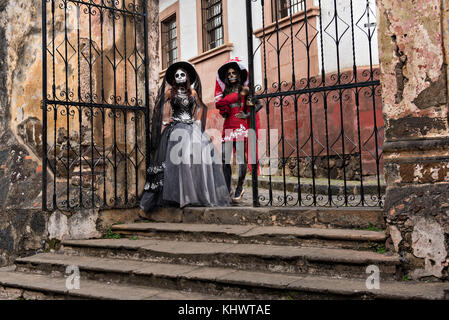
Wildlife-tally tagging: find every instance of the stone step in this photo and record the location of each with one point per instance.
(18, 285)
(254, 257)
(279, 198)
(87, 173)
(87, 161)
(344, 218)
(322, 186)
(223, 283)
(273, 235)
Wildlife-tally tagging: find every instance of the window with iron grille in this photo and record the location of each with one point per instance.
(213, 36)
(169, 42)
(286, 8)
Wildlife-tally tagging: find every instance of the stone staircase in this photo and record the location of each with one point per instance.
(225, 253)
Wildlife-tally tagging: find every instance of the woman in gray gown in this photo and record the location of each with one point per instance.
(185, 168)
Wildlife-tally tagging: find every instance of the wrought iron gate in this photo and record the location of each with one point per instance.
(95, 103)
(314, 65)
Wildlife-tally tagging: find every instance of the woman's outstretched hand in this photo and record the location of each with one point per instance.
(245, 91)
(242, 115)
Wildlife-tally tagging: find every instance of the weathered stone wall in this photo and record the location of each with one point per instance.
(413, 69)
(22, 224)
(24, 227)
(416, 151)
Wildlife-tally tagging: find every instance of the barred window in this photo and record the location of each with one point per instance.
(169, 42)
(286, 8)
(212, 18)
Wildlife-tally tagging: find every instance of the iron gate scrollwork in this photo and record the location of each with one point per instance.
(314, 66)
(95, 103)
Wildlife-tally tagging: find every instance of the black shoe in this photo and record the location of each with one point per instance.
(238, 196)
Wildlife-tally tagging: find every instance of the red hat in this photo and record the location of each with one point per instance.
(235, 63)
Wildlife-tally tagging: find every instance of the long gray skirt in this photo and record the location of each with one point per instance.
(185, 170)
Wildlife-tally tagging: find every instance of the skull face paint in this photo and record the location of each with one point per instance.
(180, 76)
(232, 76)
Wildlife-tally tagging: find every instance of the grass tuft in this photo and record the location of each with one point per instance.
(111, 234)
(406, 278)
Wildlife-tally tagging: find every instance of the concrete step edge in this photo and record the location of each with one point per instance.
(90, 289)
(317, 217)
(288, 209)
(266, 251)
(314, 284)
(255, 230)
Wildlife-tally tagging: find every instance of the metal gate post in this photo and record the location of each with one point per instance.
(147, 89)
(253, 146)
(44, 105)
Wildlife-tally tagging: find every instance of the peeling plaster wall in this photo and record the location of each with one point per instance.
(428, 243)
(417, 220)
(416, 151)
(22, 224)
(413, 68)
(24, 228)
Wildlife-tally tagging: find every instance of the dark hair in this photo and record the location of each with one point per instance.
(175, 87)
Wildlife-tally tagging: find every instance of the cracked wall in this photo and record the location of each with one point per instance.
(413, 68)
(416, 151)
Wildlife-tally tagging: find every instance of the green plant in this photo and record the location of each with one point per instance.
(370, 227)
(380, 249)
(53, 244)
(134, 238)
(406, 278)
(290, 296)
(111, 234)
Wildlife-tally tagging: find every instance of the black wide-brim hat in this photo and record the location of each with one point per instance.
(188, 67)
(236, 66)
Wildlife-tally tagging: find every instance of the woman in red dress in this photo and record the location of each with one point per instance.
(231, 99)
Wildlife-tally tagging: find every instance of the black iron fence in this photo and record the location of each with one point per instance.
(95, 103)
(316, 72)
